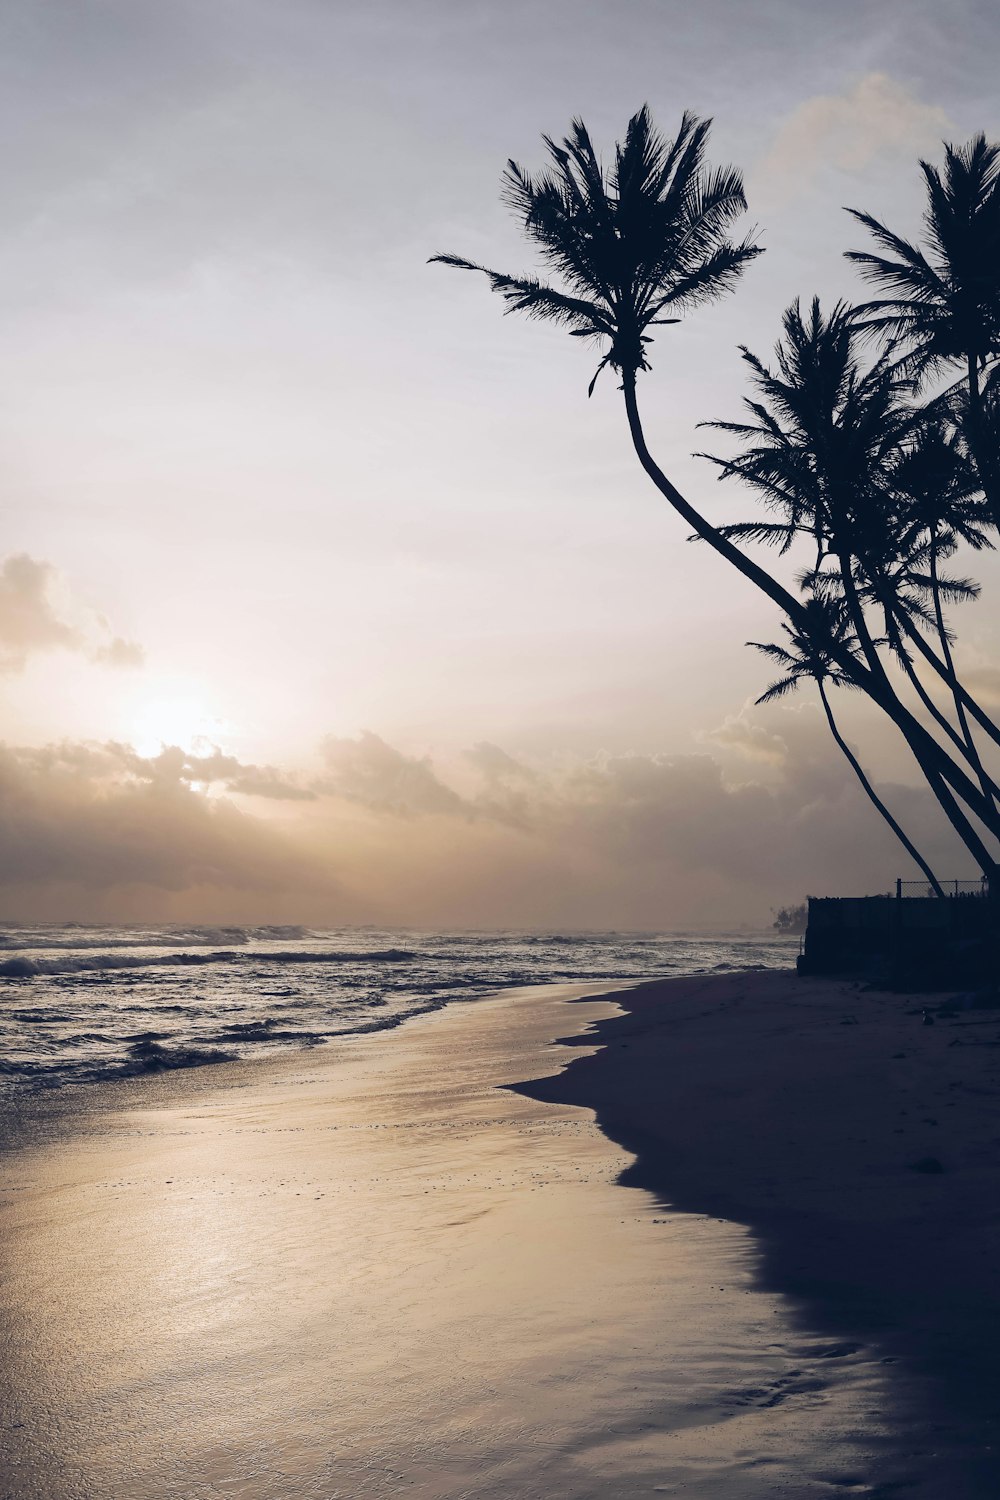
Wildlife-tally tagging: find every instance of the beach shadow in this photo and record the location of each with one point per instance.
(918, 1289)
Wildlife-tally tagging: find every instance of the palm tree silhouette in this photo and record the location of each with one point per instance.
(808, 656)
(824, 448)
(927, 501)
(635, 246)
(942, 303)
(939, 505)
(897, 584)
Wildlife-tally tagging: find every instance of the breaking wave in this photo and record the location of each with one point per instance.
(79, 1004)
(25, 967)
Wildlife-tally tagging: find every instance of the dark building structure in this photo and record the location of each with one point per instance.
(910, 940)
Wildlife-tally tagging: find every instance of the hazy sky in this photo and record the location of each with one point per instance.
(283, 496)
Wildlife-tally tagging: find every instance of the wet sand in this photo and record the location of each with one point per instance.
(379, 1269)
(861, 1146)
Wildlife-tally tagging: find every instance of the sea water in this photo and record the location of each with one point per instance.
(83, 1003)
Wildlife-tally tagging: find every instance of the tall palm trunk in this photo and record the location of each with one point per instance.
(910, 848)
(937, 766)
(979, 446)
(896, 641)
(708, 533)
(895, 638)
(973, 753)
(990, 787)
(918, 745)
(856, 611)
(933, 660)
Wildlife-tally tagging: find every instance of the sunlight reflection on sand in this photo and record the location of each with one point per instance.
(373, 1272)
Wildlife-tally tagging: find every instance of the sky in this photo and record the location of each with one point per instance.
(325, 592)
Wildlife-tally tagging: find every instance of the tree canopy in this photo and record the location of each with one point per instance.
(871, 439)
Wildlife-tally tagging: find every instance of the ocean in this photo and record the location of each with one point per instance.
(79, 1003)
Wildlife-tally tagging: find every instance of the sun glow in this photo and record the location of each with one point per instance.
(180, 719)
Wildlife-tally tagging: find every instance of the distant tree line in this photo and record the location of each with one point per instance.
(870, 441)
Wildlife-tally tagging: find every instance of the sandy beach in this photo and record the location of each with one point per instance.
(860, 1146)
(406, 1264)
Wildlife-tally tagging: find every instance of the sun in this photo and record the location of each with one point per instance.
(175, 718)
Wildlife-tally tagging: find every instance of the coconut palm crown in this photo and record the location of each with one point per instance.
(634, 245)
(942, 301)
(810, 655)
(821, 434)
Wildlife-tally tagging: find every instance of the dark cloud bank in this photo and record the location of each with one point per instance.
(616, 841)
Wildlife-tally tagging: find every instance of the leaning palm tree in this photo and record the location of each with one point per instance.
(636, 245)
(895, 583)
(939, 504)
(808, 658)
(929, 501)
(941, 303)
(821, 434)
(822, 445)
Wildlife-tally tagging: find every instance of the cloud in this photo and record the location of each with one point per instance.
(875, 118)
(739, 732)
(173, 766)
(28, 620)
(78, 816)
(120, 653)
(629, 840)
(235, 776)
(368, 771)
(33, 619)
(635, 839)
(496, 765)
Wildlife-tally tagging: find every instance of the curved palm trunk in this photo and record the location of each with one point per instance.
(708, 533)
(931, 707)
(857, 613)
(972, 751)
(937, 766)
(910, 848)
(984, 460)
(919, 744)
(925, 698)
(895, 639)
(931, 657)
(942, 793)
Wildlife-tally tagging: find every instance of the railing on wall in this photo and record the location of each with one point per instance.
(912, 933)
(919, 888)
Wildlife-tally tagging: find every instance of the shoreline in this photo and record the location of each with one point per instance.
(383, 1268)
(860, 1148)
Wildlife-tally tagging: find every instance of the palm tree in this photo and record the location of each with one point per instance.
(942, 302)
(808, 656)
(636, 246)
(893, 582)
(930, 501)
(822, 435)
(939, 505)
(633, 245)
(822, 447)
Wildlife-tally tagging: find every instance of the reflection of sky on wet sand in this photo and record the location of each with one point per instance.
(375, 1273)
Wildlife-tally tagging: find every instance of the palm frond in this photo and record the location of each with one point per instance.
(779, 688)
(628, 246)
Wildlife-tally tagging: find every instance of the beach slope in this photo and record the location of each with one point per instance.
(857, 1141)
